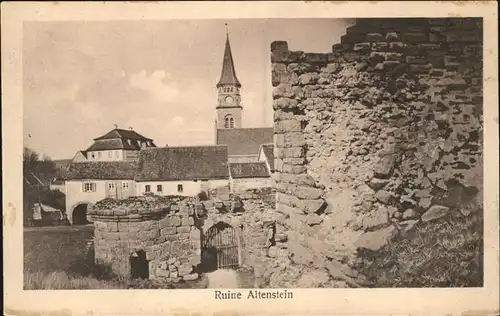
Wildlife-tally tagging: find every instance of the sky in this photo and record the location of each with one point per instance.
(158, 77)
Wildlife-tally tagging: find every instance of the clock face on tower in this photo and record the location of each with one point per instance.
(229, 99)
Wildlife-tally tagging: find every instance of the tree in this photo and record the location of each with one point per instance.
(30, 157)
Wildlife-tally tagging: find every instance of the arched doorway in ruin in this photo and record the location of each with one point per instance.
(219, 248)
(79, 214)
(139, 266)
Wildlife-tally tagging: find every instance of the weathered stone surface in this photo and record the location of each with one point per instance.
(313, 279)
(377, 239)
(384, 166)
(392, 113)
(312, 206)
(190, 277)
(410, 213)
(313, 219)
(383, 196)
(435, 212)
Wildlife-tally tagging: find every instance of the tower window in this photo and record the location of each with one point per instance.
(229, 121)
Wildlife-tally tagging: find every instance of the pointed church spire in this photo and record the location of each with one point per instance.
(228, 74)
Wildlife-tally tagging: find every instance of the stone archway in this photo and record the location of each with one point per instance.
(79, 214)
(220, 248)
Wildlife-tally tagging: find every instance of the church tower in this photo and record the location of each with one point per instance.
(229, 109)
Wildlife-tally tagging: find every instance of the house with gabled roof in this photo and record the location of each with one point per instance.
(186, 170)
(248, 175)
(116, 145)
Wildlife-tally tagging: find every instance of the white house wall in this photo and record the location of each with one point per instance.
(189, 188)
(239, 185)
(106, 155)
(75, 195)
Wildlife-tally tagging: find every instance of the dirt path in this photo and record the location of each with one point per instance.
(223, 279)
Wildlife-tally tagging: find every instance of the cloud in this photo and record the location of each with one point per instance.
(159, 84)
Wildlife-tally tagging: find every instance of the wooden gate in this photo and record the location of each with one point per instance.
(219, 248)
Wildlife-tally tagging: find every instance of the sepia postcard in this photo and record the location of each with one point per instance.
(250, 158)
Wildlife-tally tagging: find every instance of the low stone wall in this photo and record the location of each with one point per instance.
(154, 231)
(166, 233)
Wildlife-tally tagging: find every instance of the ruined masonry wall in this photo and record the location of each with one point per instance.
(170, 230)
(374, 137)
(167, 235)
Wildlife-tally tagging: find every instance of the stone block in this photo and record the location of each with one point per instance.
(112, 226)
(183, 229)
(190, 277)
(175, 221)
(187, 221)
(384, 196)
(307, 192)
(168, 231)
(435, 212)
(362, 47)
(377, 239)
(392, 37)
(397, 47)
(294, 169)
(415, 37)
(312, 206)
(410, 214)
(313, 219)
(384, 167)
(287, 126)
(283, 90)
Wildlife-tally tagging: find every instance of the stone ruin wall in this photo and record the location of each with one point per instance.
(165, 232)
(382, 133)
(170, 230)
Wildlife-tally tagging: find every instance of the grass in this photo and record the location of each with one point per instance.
(56, 258)
(60, 280)
(445, 253)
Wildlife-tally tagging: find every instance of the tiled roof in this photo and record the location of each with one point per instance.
(61, 163)
(244, 141)
(269, 153)
(112, 144)
(122, 133)
(228, 74)
(183, 163)
(248, 170)
(100, 170)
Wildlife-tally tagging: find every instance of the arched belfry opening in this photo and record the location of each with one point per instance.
(219, 248)
(80, 215)
(139, 266)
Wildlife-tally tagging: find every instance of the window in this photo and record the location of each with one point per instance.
(92, 156)
(99, 154)
(110, 154)
(117, 154)
(89, 187)
(111, 185)
(125, 185)
(228, 121)
(159, 188)
(179, 188)
(147, 188)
